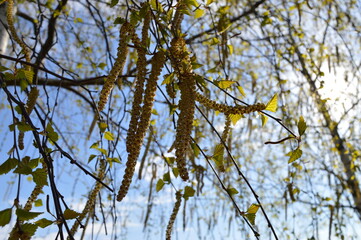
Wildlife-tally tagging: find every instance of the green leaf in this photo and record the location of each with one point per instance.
(224, 84)
(91, 157)
(232, 191)
(251, 217)
(272, 104)
(264, 119)
(301, 126)
(175, 172)
(23, 84)
(188, 192)
(253, 208)
(198, 13)
(156, 5)
(5, 216)
(218, 150)
(102, 65)
(70, 214)
(53, 136)
(168, 78)
(159, 185)
(251, 213)
(23, 168)
(33, 163)
(95, 146)
(38, 203)
(8, 165)
(166, 177)
(29, 75)
(102, 126)
(43, 223)
(294, 155)
(119, 20)
(40, 177)
(24, 127)
(235, 117)
(29, 229)
(109, 136)
(113, 3)
(241, 91)
(112, 160)
(26, 215)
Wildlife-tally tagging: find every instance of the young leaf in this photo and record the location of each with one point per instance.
(113, 3)
(232, 191)
(91, 157)
(38, 203)
(225, 84)
(188, 192)
(168, 78)
(43, 223)
(102, 126)
(8, 165)
(29, 229)
(301, 126)
(272, 104)
(5, 216)
(175, 172)
(70, 214)
(198, 13)
(294, 155)
(235, 117)
(253, 208)
(24, 127)
(264, 119)
(23, 168)
(241, 91)
(251, 217)
(26, 215)
(40, 177)
(159, 185)
(53, 136)
(109, 136)
(166, 177)
(251, 213)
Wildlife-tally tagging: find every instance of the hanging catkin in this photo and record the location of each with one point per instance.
(118, 66)
(90, 204)
(182, 65)
(30, 104)
(141, 72)
(135, 143)
(10, 19)
(177, 204)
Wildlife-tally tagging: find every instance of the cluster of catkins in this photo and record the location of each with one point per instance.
(145, 92)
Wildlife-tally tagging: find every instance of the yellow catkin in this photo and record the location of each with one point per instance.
(118, 66)
(178, 16)
(140, 80)
(182, 65)
(170, 90)
(10, 19)
(30, 104)
(177, 204)
(146, 111)
(227, 127)
(90, 204)
(229, 109)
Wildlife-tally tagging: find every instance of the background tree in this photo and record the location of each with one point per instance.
(142, 102)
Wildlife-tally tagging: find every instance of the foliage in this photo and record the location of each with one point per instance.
(223, 103)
